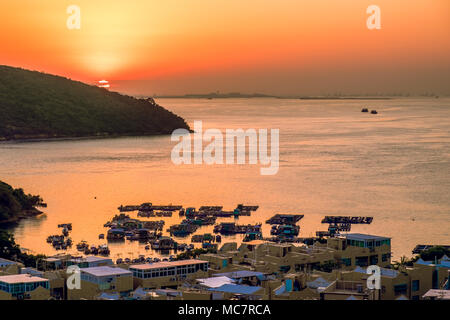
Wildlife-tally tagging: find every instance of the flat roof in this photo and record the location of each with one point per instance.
(215, 282)
(239, 274)
(6, 262)
(52, 259)
(384, 272)
(90, 259)
(361, 236)
(105, 271)
(21, 278)
(237, 289)
(439, 294)
(166, 264)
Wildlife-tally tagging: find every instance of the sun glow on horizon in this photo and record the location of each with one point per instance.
(104, 84)
(277, 46)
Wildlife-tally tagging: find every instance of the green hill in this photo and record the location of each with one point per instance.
(35, 105)
(15, 204)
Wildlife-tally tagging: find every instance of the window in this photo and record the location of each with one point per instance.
(400, 289)
(346, 261)
(104, 286)
(415, 285)
(385, 257)
(362, 261)
(374, 259)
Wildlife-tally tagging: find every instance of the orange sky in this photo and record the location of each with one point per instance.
(271, 46)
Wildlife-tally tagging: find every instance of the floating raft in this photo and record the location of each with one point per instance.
(286, 230)
(166, 208)
(241, 207)
(207, 237)
(232, 228)
(210, 208)
(346, 219)
(149, 207)
(128, 208)
(285, 219)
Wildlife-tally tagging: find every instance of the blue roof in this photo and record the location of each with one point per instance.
(239, 274)
(384, 272)
(237, 289)
(4, 262)
(360, 236)
(443, 263)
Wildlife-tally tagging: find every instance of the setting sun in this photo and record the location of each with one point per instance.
(283, 47)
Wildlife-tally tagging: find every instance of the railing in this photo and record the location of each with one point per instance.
(349, 286)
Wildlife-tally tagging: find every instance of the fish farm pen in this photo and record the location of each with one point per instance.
(149, 226)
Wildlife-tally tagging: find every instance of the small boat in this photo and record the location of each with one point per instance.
(82, 245)
(250, 236)
(164, 243)
(94, 250)
(103, 250)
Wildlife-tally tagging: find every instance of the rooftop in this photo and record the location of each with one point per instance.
(105, 271)
(21, 278)
(52, 259)
(215, 282)
(239, 274)
(236, 289)
(360, 236)
(437, 294)
(384, 272)
(166, 264)
(90, 259)
(4, 262)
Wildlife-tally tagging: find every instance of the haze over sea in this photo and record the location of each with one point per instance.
(334, 160)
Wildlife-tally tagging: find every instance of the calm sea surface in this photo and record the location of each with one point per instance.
(334, 160)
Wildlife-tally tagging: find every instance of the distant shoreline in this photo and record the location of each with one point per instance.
(40, 138)
(251, 96)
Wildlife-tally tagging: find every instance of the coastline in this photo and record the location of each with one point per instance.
(24, 214)
(256, 96)
(48, 138)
